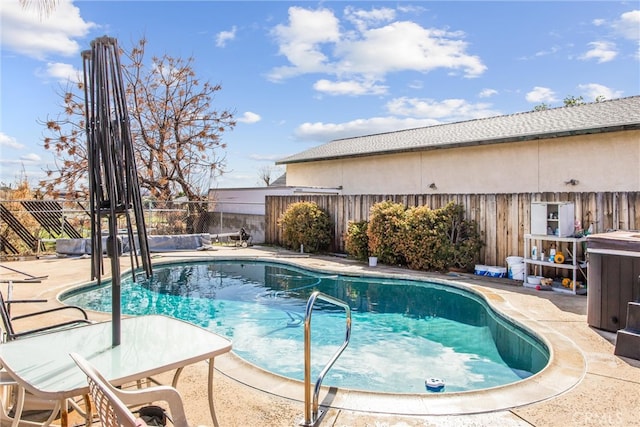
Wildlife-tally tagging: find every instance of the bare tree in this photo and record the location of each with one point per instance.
(264, 174)
(177, 133)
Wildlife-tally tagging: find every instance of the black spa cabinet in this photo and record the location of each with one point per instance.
(613, 277)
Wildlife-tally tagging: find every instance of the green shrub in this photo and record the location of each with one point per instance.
(386, 222)
(423, 238)
(440, 239)
(304, 223)
(464, 237)
(356, 241)
(423, 243)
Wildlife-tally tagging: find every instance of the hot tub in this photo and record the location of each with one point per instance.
(613, 278)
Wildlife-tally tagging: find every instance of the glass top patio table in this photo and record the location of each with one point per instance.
(150, 345)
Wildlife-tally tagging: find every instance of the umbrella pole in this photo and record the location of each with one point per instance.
(115, 300)
(113, 250)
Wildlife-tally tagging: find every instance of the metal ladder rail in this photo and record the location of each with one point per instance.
(311, 408)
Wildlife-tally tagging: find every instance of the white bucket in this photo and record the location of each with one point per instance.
(534, 280)
(514, 260)
(517, 274)
(373, 261)
(516, 271)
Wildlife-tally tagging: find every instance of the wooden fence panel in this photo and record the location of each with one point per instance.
(634, 212)
(503, 219)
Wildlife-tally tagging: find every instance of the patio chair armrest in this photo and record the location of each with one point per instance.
(23, 301)
(6, 379)
(156, 394)
(52, 310)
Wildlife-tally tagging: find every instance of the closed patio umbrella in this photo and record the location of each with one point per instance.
(113, 179)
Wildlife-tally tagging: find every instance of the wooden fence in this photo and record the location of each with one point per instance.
(503, 219)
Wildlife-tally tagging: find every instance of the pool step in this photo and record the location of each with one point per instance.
(628, 339)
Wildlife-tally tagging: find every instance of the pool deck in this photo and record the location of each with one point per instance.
(585, 384)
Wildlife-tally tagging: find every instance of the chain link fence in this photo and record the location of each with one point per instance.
(31, 227)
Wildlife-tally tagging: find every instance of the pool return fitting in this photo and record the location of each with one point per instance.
(311, 414)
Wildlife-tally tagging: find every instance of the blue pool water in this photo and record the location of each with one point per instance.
(403, 332)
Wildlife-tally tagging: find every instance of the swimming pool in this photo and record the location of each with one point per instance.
(403, 331)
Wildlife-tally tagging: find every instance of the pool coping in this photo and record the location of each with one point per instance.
(566, 368)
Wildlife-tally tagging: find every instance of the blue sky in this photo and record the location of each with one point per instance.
(300, 74)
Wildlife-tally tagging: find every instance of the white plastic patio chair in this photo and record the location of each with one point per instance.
(112, 404)
(11, 396)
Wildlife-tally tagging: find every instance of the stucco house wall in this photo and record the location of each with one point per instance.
(599, 162)
(586, 148)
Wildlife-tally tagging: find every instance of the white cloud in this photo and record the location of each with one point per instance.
(551, 51)
(404, 113)
(249, 117)
(487, 93)
(324, 132)
(363, 19)
(64, 72)
(446, 110)
(402, 46)
(27, 159)
(629, 25)
(31, 158)
(25, 32)
(315, 41)
(601, 50)
(224, 36)
(266, 157)
(10, 142)
(351, 87)
(541, 94)
(300, 41)
(592, 91)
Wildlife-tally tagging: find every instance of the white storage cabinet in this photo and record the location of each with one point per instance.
(553, 218)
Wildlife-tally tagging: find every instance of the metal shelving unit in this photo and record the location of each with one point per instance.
(577, 268)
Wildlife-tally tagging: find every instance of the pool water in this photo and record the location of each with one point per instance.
(403, 332)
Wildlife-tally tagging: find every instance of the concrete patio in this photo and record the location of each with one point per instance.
(584, 385)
